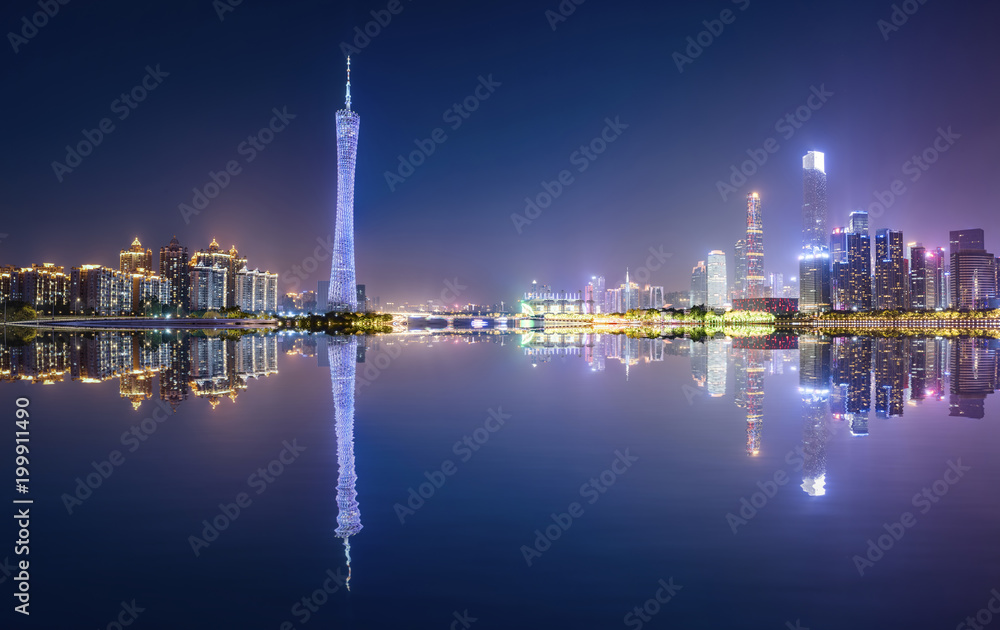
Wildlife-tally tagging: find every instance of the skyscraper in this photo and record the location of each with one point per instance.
(859, 223)
(174, 267)
(892, 286)
(858, 294)
(699, 284)
(973, 270)
(814, 279)
(600, 295)
(918, 279)
(755, 281)
(135, 258)
(739, 271)
(343, 285)
(717, 279)
(630, 294)
(814, 232)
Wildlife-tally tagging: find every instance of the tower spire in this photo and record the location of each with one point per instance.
(348, 82)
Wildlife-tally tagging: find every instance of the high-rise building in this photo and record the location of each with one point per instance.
(717, 279)
(858, 293)
(135, 259)
(814, 231)
(937, 279)
(588, 297)
(859, 223)
(208, 285)
(656, 297)
(776, 282)
(174, 268)
(892, 286)
(738, 290)
(918, 279)
(814, 279)
(362, 298)
(629, 294)
(343, 286)
(755, 281)
(230, 260)
(838, 245)
(973, 270)
(699, 284)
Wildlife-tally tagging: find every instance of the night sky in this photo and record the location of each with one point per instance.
(654, 186)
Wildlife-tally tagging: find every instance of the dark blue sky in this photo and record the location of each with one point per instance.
(654, 186)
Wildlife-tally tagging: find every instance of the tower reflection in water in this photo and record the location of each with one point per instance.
(343, 355)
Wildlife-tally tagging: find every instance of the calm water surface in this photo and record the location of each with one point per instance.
(745, 474)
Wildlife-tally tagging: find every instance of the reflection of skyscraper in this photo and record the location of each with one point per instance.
(343, 354)
(718, 349)
(814, 388)
(851, 372)
(343, 287)
(699, 362)
(891, 375)
(973, 376)
(755, 280)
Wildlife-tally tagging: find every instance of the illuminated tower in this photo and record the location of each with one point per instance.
(343, 357)
(343, 286)
(814, 232)
(754, 250)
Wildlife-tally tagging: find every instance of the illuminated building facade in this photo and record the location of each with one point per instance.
(738, 290)
(135, 259)
(755, 280)
(892, 284)
(814, 279)
(208, 285)
(256, 291)
(767, 305)
(699, 284)
(814, 231)
(101, 290)
(174, 268)
(542, 302)
(717, 279)
(343, 285)
(46, 288)
(973, 270)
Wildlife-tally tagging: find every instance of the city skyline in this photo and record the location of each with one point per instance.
(288, 185)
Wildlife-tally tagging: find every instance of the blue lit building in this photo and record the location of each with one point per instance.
(343, 286)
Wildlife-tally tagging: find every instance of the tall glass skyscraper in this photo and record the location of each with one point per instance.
(343, 285)
(717, 279)
(755, 280)
(814, 232)
(740, 270)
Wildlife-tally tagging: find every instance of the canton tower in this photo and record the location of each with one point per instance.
(343, 364)
(343, 286)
